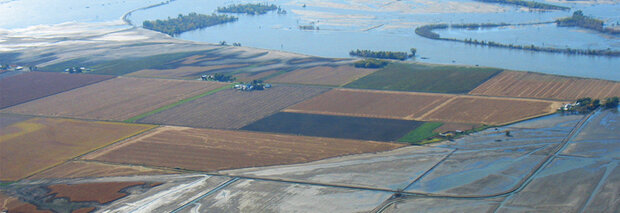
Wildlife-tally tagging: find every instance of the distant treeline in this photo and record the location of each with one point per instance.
(579, 20)
(381, 54)
(250, 9)
(184, 23)
(427, 32)
(370, 63)
(528, 4)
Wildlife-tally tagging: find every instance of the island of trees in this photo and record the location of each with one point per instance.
(382, 54)
(251, 9)
(528, 4)
(579, 20)
(184, 23)
(427, 32)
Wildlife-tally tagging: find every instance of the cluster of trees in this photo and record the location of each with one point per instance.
(528, 4)
(427, 32)
(184, 23)
(370, 63)
(218, 77)
(579, 20)
(308, 27)
(250, 9)
(585, 105)
(381, 54)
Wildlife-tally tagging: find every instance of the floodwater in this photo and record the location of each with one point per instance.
(354, 24)
(360, 24)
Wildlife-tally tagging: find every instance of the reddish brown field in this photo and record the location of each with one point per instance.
(97, 192)
(371, 103)
(211, 150)
(33, 85)
(323, 75)
(424, 106)
(534, 85)
(84, 210)
(116, 99)
(231, 109)
(12, 204)
(81, 169)
(34, 145)
(494, 111)
(183, 72)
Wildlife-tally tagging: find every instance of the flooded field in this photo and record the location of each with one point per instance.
(368, 24)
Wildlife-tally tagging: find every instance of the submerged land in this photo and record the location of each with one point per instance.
(140, 130)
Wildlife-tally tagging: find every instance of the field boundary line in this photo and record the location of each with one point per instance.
(423, 116)
(144, 133)
(92, 150)
(155, 111)
(42, 97)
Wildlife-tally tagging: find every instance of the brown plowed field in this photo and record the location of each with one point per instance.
(424, 106)
(323, 75)
(97, 192)
(493, 111)
(32, 85)
(116, 99)
(250, 76)
(371, 103)
(184, 72)
(12, 204)
(33, 145)
(81, 169)
(210, 150)
(231, 109)
(534, 85)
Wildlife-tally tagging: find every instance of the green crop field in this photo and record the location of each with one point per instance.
(424, 131)
(425, 78)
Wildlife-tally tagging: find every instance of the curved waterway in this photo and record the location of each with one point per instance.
(359, 24)
(347, 25)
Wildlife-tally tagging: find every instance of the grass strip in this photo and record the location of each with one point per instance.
(143, 115)
(424, 131)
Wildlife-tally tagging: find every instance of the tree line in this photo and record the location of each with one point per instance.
(528, 4)
(250, 9)
(370, 63)
(427, 32)
(382, 54)
(184, 23)
(580, 20)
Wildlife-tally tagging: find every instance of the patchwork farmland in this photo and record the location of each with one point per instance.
(323, 75)
(29, 86)
(232, 109)
(117, 99)
(361, 128)
(183, 72)
(425, 78)
(535, 85)
(424, 106)
(50, 142)
(371, 103)
(494, 111)
(211, 150)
